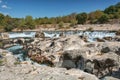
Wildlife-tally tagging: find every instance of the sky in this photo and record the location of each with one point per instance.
(51, 8)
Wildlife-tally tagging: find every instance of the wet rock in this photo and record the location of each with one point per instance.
(117, 38)
(104, 67)
(4, 36)
(21, 41)
(41, 59)
(105, 50)
(61, 34)
(39, 34)
(108, 38)
(75, 59)
(84, 38)
(33, 51)
(100, 40)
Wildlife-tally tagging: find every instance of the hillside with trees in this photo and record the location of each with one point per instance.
(7, 23)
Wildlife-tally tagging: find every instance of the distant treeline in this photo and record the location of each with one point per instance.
(8, 23)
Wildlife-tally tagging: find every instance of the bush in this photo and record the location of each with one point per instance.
(82, 18)
(16, 63)
(8, 28)
(61, 25)
(1, 62)
(1, 44)
(103, 19)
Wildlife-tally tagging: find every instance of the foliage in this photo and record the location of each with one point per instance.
(61, 24)
(110, 10)
(16, 63)
(29, 22)
(8, 28)
(94, 16)
(73, 23)
(1, 44)
(1, 62)
(81, 18)
(103, 19)
(8, 23)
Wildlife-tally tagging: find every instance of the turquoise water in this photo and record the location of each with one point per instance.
(18, 52)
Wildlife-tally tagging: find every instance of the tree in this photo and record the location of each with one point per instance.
(93, 16)
(96, 14)
(118, 5)
(29, 22)
(103, 19)
(117, 15)
(1, 19)
(22, 25)
(8, 23)
(8, 28)
(110, 10)
(81, 18)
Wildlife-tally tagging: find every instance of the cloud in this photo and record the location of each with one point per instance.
(5, 7)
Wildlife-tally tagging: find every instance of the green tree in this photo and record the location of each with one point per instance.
(82, 18)
(110, 10)
(22, 24)
(8, 28)
(103, 19)
(8, 23)
(1, 19)
(117, 15)
(29, 22)
(93, 16)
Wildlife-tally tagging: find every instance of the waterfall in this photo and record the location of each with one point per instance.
(21, 54)
(21, 34)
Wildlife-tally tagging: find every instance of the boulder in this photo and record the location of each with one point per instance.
(81, 75)
(4, 36)
(110, 78)
(73, 59)
(105, 50)
(73, 40)
(39, 34)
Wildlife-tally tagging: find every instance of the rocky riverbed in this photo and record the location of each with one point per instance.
(66, 57)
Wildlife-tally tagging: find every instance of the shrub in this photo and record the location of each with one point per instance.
(16, 63)
(1, 62)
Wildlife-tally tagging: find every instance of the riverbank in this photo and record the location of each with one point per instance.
(87, 27)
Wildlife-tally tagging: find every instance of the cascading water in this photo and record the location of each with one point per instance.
(18, 52)
(91, 35)
(21, 34)
(21, 54)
